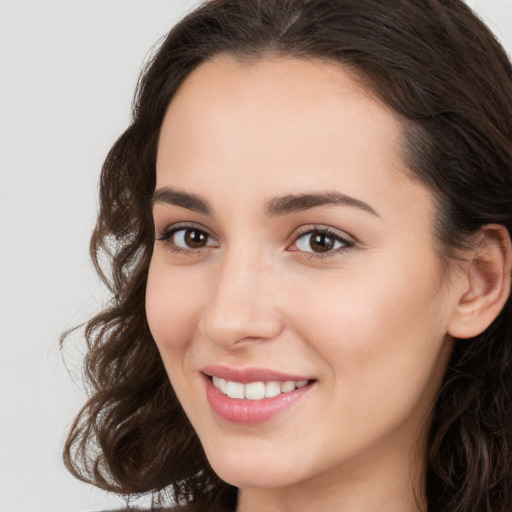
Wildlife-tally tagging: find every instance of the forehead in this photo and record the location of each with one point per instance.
(300, 98)
(280, 125)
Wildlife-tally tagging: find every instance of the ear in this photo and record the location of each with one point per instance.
(486, 285)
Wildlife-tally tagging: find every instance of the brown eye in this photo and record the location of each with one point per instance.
(188, 239)
(195, 239)
(321, 242)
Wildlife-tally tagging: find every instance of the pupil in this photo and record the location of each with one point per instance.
(195, 239)
(321, 242)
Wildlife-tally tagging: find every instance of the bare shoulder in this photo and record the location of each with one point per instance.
(190, 507)
(177, 508)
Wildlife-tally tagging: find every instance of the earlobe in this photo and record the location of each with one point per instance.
(487, 283)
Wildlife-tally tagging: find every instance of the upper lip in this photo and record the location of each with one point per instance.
(246, 375)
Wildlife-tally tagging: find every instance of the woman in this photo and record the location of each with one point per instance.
(308, 229)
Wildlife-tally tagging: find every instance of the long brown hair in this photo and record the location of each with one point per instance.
(440, 69)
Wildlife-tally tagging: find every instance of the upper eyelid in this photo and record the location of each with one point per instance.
(177, 226)
(294, 236)
(305, 230)
(166, 237)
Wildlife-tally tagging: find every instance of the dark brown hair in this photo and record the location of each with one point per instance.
(439, 68)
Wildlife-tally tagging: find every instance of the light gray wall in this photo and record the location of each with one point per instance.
(67, 73)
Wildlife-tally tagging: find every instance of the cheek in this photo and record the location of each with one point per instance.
(366, 325)
(385, 350)
(172, 307)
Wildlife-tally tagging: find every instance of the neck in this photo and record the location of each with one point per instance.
(369, 486)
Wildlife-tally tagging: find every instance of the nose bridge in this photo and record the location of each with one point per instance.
(241, 306)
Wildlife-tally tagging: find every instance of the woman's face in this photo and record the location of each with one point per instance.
(293, 248)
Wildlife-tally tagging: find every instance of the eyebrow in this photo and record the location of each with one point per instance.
(184, 199)
(277, 206)
(284, 205)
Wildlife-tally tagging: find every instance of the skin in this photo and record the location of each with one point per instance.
(370, 321)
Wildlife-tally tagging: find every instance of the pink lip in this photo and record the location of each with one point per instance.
(250, 411)
(245, 375)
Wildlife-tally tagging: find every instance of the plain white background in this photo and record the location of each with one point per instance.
(68, 69)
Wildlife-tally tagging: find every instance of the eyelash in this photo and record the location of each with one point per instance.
(168, 234)
(336, 237)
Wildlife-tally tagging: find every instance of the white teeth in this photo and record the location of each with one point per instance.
(234, 389)
(256, 390)
(288, 386)
(220, 384)
(272, 388)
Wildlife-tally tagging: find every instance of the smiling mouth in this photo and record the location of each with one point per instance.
(251, 396)
(256, 390)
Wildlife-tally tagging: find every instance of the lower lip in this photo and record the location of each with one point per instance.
(251, 411)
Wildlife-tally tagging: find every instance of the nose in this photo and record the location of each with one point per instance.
(242, 303)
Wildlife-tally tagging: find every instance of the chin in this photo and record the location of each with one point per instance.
(253, 472)
(254, 478)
